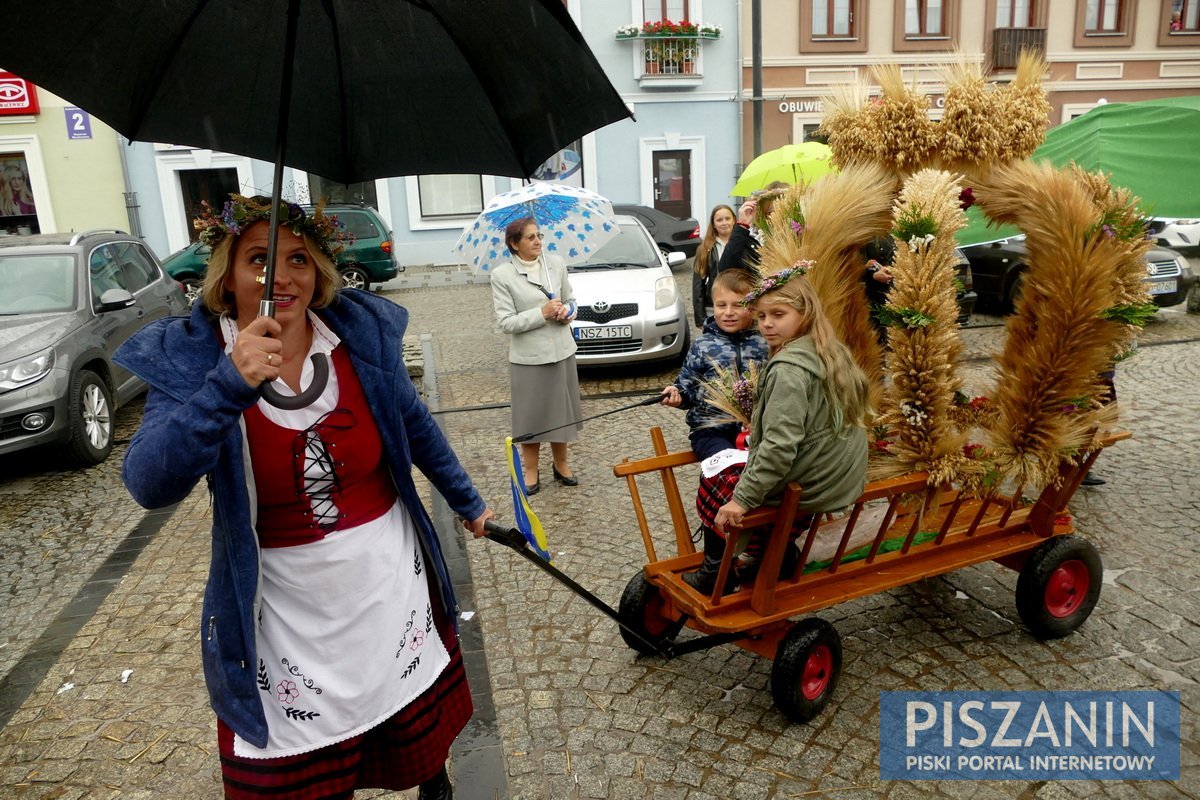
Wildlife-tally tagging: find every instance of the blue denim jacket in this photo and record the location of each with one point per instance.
(190, 430)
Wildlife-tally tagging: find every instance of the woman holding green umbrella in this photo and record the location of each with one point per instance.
(742, 250)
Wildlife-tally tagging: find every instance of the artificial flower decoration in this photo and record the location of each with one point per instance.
(240, 212)
(776, 280)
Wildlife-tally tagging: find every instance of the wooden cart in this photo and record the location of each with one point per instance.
(935, 531)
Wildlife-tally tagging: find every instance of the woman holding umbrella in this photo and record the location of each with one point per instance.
(327, 632)
(741, 252)
(534, 305)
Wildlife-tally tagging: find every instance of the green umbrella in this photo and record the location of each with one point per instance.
(791, 164)
(1151, 147)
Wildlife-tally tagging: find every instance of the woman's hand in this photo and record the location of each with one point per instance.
(257, 356)
(746, 212)
(475, 526)
(729, 516)
(554, 310)
(671, 396)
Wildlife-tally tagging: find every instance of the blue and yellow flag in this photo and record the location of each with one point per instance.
(525, 520)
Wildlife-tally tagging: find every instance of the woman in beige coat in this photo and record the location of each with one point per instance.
(534, 305)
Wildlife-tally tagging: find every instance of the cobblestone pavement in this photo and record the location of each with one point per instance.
(579, 715)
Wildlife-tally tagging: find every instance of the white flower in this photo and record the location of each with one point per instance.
(712, 29)
(913, 414)
(628, 30)
(915, 242)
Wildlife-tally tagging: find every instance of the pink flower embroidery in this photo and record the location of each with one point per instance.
(286, 692)
(418, 638)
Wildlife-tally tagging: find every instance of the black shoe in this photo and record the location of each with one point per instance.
(563, 479)
(704, 580)
(533, 489)
(437, 788)
(1092, 480)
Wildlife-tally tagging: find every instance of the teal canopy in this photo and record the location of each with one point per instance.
(1150, 147)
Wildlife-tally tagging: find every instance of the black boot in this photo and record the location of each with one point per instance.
(437, 788)
(704, 580)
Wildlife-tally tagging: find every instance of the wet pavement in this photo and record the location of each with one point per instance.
(100, 686)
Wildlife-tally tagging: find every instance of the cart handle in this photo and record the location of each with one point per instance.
(511, 537)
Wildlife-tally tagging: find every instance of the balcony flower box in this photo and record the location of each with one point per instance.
(666, 29)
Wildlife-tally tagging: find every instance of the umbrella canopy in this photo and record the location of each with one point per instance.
(346, 89)
(1149, 147)
(381, 87)
(791, 164)
(575, 222)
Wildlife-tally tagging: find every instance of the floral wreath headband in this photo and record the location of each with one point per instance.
(777, 280)
(240, 212)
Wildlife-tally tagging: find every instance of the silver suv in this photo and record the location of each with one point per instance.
(67, 302)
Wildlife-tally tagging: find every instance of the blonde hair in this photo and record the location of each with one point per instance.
(845, 382)
(710, 238)
(219, 300)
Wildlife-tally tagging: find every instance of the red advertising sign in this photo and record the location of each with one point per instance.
(17, 95)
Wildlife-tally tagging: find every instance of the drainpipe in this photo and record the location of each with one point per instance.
(131, 203)
(756, 68)
(740, 94)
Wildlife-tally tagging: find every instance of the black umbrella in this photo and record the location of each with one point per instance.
(377, 87)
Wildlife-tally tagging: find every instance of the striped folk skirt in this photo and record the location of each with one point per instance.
(408, 749)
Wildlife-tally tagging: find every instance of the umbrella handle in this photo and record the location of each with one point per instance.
(290, 402)
(320, 378)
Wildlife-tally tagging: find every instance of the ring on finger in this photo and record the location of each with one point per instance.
(270, 358)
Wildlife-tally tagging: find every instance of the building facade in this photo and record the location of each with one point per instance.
(60, 168)
(1099, 51)
(680, 154)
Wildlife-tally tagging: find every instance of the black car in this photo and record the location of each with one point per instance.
(67, 302)
(998, 267)
(669, 233)
(965, 294)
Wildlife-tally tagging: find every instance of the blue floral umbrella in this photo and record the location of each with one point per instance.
(575, 221)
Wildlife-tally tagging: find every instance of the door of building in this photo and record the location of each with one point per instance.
(673, 182)
(211, 185)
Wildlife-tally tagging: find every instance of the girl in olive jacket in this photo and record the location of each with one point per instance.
(809, 420)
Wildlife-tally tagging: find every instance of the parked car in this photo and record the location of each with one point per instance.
(1180, 235)
(368, 260)
(672, 235)
(966, 295)
(997, 268)
(67, 302)
(630, 309)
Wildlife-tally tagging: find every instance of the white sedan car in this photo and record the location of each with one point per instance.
(629, 307)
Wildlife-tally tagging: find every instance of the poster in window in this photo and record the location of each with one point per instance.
(565, 166)
(16, 199)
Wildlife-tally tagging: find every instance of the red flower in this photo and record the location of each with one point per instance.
(978, 403)
(975, 452)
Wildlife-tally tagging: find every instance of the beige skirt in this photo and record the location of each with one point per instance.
(545, 397)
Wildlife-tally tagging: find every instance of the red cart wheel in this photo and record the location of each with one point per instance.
(806, 669)
(642, 608)
(1059, 585)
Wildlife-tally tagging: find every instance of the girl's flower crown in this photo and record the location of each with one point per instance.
(240, 212)
(776, 280)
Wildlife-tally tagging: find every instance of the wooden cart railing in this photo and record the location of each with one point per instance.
(958, 531)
